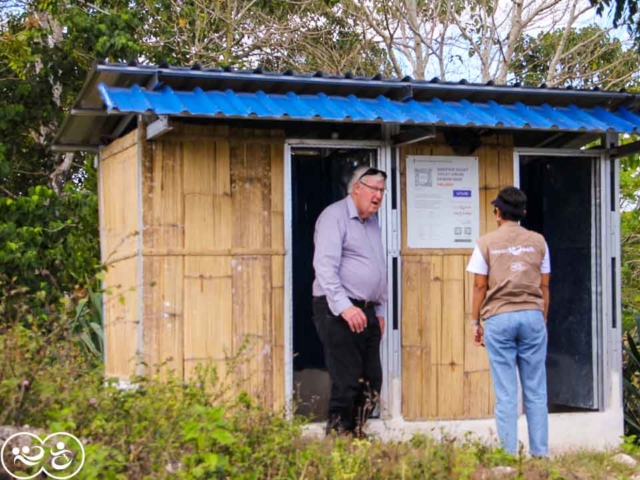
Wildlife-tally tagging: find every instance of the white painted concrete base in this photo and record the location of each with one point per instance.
(567, 431)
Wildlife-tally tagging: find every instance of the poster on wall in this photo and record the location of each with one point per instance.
(443, 204)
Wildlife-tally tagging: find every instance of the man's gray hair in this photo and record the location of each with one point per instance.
(358, 172)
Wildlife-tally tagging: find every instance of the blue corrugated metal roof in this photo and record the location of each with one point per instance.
(320, 107)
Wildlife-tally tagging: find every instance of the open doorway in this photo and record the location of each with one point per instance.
(319, 177)
(564, 206)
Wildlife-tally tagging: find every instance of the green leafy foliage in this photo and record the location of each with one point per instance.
(630, 273)
(632, 381)
(630, 238)
(50, 324)
(89, 324)
(161, 428)
(623, 13)
(49, 244)
(593, 58)
(40, 73)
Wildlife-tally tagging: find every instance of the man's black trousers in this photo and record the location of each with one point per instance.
(353, 362)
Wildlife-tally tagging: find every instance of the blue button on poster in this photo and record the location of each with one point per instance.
(462, 193)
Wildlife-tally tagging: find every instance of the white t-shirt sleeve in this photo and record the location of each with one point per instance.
(546, 261)
(477, 263)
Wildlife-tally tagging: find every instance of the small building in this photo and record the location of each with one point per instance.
(210, 183)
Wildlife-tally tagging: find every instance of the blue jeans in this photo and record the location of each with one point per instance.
(519, 339)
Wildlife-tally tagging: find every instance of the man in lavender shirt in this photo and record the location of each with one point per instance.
(350, 296)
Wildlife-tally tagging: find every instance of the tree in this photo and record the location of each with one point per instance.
(590, 57)
(414, 33)
(45, 51)
(47, 46)
(48, 236)
(493, 29)
(324, 39)
(622, 13)
(437, 37)
(630, 238)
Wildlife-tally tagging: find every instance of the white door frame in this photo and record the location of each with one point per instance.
(601, 274)
(382, 162)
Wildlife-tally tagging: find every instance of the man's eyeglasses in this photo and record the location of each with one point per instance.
(375, 189)
(372, 171)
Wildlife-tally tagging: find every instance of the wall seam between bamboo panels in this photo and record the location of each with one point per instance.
(141, 134)
(231, 140)
(228, 252)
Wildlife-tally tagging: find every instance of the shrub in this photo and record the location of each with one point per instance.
(631, 370)
(49, 248)
(170, 428)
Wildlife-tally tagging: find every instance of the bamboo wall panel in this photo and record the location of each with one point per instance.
(252, 325)
(222, 207)
(208, 321)
(213, 214)
(199, 222)
(121, 318)
(164, 196)
(412, 350)
(444, 376)
(432, 279)
(118, 189)
(163, 317)
(163, 203)
(277, 196)
(452, 350)
(251, 195)
(277, 274)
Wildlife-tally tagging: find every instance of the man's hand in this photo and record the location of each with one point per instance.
(381, 323)
(478, 336)
(356, 319)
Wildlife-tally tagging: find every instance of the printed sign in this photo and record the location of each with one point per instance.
(443, 204)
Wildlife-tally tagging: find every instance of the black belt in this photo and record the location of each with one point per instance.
(364, 303)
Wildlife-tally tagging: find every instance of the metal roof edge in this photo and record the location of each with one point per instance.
(62, 147)
(66, 147)
(91, 74)
(77, 133)
(462, 87)
(63, 128)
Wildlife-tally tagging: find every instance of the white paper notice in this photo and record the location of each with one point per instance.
(443, 204)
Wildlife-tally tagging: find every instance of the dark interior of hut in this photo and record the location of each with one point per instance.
(320, 177)
(563, 206)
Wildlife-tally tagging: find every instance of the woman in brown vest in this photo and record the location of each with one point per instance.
(511, 294)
